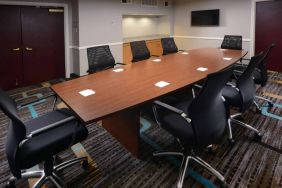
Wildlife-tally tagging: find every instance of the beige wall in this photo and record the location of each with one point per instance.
(235, 19)
(100, 22)
(96, 22)
(138, 26)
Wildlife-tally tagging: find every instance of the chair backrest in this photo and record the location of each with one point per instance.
(207, 111)
(169, 46)
(139, 51)
(263, 67)
(245, 83)
(16, 132)
(100, 58)
(233, 42)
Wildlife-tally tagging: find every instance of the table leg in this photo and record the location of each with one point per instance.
(124, 126)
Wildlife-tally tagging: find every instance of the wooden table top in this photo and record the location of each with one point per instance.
(117, 91)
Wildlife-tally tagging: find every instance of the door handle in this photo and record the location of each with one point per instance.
(16, 49)
(28, 49)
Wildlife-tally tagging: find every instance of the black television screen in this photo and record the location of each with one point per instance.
(205, 18)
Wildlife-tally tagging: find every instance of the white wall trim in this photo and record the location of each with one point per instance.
(95, 45)
(253, 24)
(207, 38)
(66, 25)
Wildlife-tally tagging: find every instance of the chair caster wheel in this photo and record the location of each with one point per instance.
(240, 118)
(258, 136)
(231, 142)
(223, 184)
(270, 104)
(258, 111)
(212, 148)
(85, 165)
(11, 184)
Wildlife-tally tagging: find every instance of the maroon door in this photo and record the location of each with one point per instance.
(11, 68)
(268, 30)
(43, 44)
(31, 45)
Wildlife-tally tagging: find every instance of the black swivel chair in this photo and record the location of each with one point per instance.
(233, 42)
(139, 51)
(39, 140)
(196, 123)
(169, 46)
(260, 74)
(100, 58)
(242, 96)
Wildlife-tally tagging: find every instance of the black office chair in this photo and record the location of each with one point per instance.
(242, 96)
(100, 58)
(233, 42)
(39, 140)
(196, 123)
(139, 51)
(260, 74)
(169, 46)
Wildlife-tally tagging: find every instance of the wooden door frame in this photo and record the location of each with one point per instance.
(253, 25)
(66, 25)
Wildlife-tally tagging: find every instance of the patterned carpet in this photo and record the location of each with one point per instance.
(247, 164)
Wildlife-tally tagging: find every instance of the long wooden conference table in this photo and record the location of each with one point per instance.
(118, 94)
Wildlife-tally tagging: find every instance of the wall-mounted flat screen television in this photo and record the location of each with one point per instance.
(205, 18)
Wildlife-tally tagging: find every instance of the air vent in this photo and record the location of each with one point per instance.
(126, 1)
(151, 3)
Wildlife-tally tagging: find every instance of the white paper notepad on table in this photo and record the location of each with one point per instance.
(118, 70)
(157, 60)
(161, 84)
(202, 69)
(87, 92)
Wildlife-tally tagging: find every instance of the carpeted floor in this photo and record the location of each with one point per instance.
(247, 164)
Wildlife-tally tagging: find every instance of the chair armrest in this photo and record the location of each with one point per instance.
(198, 86)
(193, 90)
(167, 106)
(155, 56)
(36, 100)
(173, 109)
(240, 65)
(238, 72)
(232, 85)
(244, 59)
(120, 63)
(47, 128)
(50, 126)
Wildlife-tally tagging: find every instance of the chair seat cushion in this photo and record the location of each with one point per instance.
(45, 145)
(232, 96)
(177, 125)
